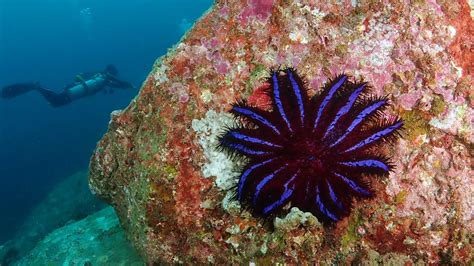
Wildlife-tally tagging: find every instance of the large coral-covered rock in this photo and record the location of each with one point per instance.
(159, 167)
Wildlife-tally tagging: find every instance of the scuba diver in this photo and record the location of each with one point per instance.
(85, 85)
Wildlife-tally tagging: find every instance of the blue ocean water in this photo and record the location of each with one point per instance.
(51, 41)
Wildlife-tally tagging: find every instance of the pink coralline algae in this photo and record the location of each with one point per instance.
(410, 99)
(259, 9)
(158, 165)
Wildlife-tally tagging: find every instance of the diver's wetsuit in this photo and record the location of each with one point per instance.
(80, 89)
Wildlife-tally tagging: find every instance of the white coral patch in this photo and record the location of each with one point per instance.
(160, 74)
(218, 163)
(206, 96)
(299, 36)
(229, 203)
(457, 121)
(294, 219)
(451, 31)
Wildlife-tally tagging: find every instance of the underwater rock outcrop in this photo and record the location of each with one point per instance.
(94, 240)
(57, 209)
(158, 165)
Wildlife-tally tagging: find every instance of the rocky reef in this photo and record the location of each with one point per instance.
(158, 165)
(96, 240)
(57, 209)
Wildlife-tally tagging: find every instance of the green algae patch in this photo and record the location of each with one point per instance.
(415, 124)
(170, 171)
(278, 241)
(400, 197)
(342, 49)
(151, 140)
(438, 105)
(258, 73)
(151, 144)
(351, 234)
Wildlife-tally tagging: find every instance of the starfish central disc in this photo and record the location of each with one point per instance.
(313, 152)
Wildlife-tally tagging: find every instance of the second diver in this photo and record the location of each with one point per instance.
(85, 85)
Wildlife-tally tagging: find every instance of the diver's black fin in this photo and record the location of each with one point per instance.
(14, 90)
(111, 69)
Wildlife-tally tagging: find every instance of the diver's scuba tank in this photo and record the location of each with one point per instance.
(87, 87)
